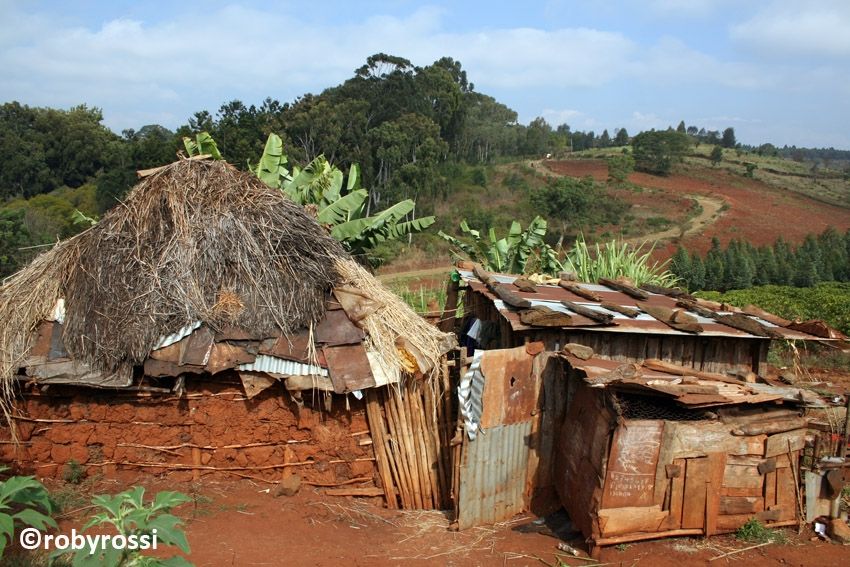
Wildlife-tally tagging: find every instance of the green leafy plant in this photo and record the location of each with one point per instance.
(616, 259)
(338, 200)
(520, 252)
(23, 501)
(79, 217)
(73, 472)
(756, 532)
(203, 144)
(135, 520)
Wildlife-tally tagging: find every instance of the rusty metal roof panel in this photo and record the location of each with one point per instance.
(603, 373)
(551, 296)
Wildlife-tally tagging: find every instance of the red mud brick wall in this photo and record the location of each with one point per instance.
(105, 427)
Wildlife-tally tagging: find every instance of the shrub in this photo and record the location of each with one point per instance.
(479, 177)
(615, 259)
(754, 531)
(827, 301)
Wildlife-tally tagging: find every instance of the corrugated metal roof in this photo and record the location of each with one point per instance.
(275, 365)
(551, 296)
(168, 340)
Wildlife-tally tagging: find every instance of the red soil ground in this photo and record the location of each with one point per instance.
(757, 212)
(240, 524)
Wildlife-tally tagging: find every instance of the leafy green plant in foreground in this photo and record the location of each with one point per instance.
(756, 532)
(23, 501)
(131, 517)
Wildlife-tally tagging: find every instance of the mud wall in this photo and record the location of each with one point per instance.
(212, 426)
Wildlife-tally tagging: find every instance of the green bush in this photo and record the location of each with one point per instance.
(479, 177)
(827, 301)
(754, 531)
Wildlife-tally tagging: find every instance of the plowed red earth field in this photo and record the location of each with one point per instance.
(756, 211)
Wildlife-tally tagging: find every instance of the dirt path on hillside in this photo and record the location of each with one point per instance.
(711, 212)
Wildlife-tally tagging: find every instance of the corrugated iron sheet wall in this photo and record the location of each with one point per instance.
(493, 475)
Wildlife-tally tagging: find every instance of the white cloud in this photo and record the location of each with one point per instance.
(671, 61)
(813, 27)
(235, 50)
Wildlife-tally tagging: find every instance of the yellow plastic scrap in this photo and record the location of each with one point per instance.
(408, 361)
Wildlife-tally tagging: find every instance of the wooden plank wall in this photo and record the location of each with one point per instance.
(709, 354)
(708, 480)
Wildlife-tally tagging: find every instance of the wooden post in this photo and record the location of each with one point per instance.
(842, 451)
(376, 425)
(196, 460)
(447, 321)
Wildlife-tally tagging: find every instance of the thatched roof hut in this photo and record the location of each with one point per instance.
(206, 297)
(198, 244)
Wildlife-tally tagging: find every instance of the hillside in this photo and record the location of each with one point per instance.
(756, 210)
(696, 202)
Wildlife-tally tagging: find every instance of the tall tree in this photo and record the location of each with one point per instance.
(728, 140)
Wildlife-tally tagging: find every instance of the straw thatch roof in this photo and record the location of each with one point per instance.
(198, 241)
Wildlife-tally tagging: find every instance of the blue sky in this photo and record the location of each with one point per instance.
(775, 70)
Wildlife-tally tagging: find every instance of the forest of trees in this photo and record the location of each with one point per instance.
(821, 258)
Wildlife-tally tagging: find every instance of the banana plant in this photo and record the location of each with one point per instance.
(339, 200)
(203, 144)
(520, 252)
(271, 169)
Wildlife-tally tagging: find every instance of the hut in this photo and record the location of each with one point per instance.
(209, 326)
(645, 453)
(641, 410)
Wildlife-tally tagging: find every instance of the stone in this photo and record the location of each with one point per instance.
(289, 486)
(838, 530)
(579, 351)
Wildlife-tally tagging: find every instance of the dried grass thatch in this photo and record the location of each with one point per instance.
(393, 319)
(197, 241)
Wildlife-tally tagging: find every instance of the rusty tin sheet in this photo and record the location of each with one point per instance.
(630, 478)
(349, 368)
(493, 475)
(551, 296)
(510, 387)
(337, 329)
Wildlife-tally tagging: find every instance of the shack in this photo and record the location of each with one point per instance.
(208, 326)
(646, 453)
(641, 410)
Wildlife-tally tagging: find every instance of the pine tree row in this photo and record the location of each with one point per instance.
(821, 258)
